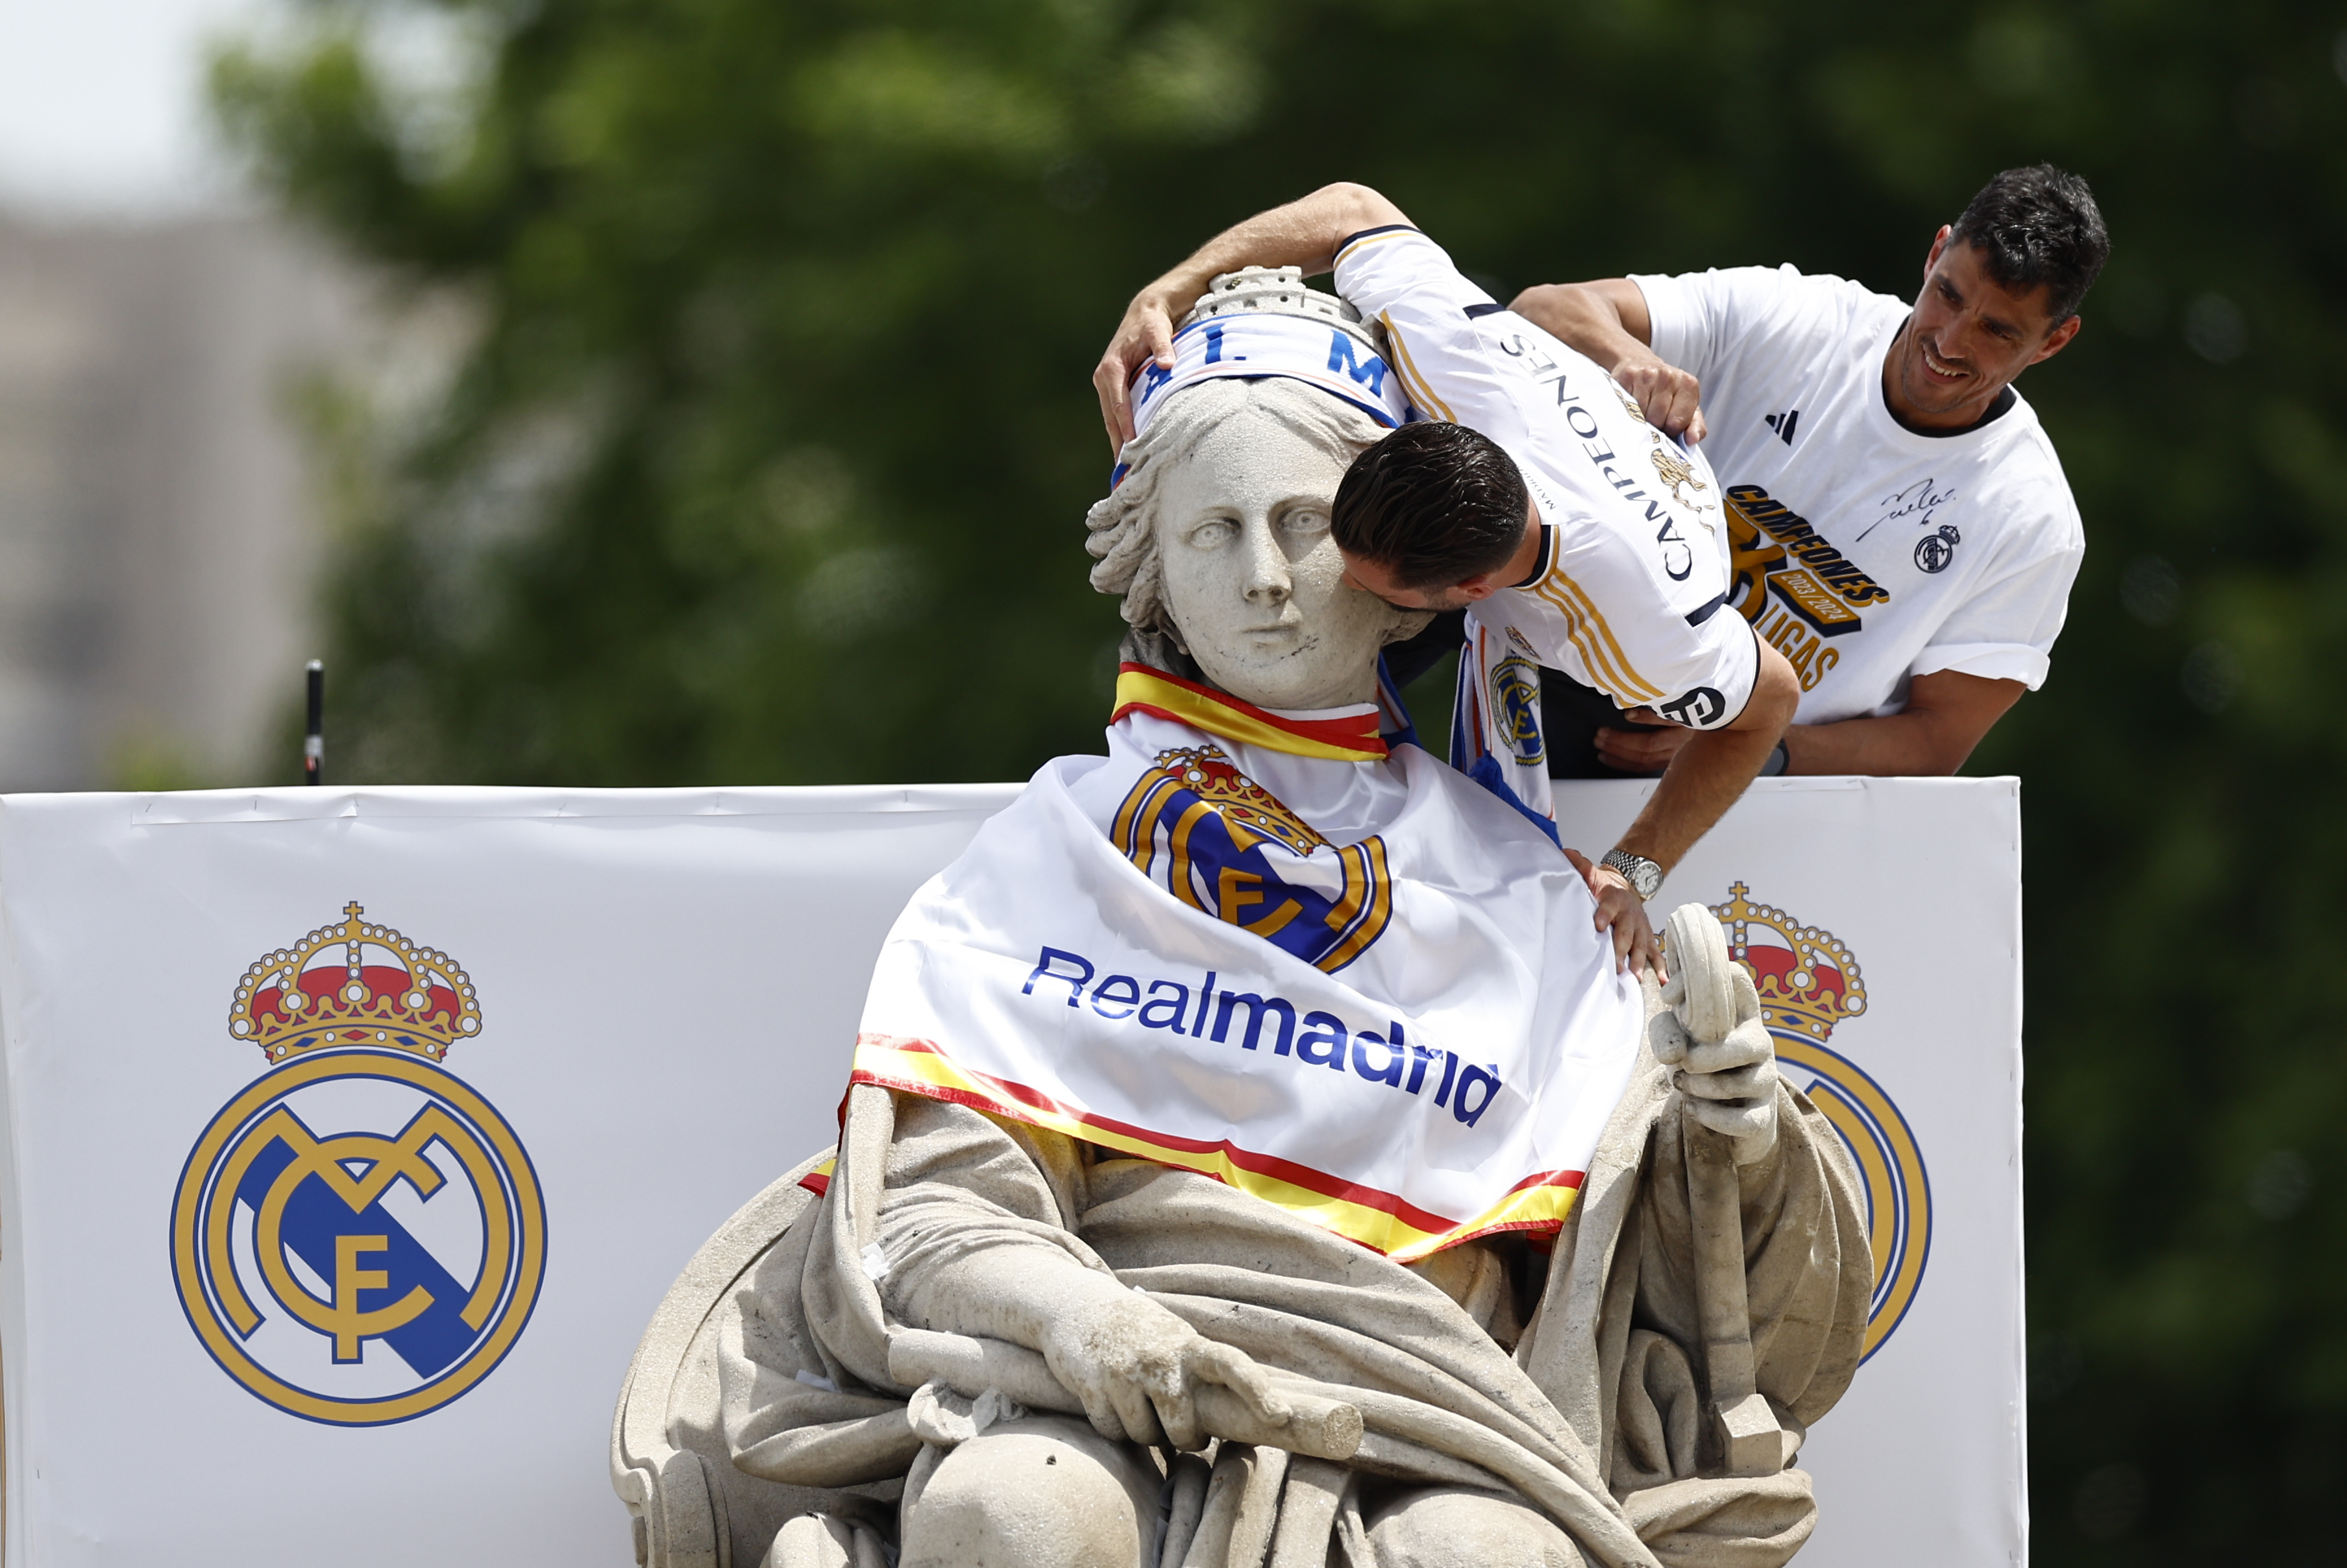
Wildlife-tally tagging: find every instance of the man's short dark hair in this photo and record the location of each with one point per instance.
(1432, 504)
(2039, 226)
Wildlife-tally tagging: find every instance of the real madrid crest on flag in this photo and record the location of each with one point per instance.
(358, 1238)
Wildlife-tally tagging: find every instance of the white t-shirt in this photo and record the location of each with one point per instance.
(1866, 553)
(1630, 593)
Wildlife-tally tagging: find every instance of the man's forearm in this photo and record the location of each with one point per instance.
(1703, 780)
(1715, 767)
(1304, 233)
(1897, 745)
(1946, 715)
(1581, 318)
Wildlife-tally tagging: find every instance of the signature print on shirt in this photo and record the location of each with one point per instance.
(1918, 501)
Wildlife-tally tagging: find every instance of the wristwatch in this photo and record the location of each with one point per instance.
(1643, 875)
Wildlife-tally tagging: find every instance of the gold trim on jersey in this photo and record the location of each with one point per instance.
(1601, 652)
(1359, 242)
(1407, 368)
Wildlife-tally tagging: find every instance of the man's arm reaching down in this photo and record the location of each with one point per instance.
(1947, 714)
(1607, 320)
(1711, 769)
(1304, 233)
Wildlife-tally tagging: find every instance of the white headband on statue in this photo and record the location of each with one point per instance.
(1264, 321)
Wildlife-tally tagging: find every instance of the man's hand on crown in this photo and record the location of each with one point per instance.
(1144, 336)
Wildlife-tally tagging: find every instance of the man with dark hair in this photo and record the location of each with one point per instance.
(1537, 493)
(1448, 473)
(1899, 524)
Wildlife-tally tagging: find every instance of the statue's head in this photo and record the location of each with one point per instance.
(1218, 540)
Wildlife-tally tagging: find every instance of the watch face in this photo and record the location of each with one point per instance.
(1642, 874)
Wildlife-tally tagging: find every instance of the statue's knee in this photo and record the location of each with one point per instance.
(1042, 1492)
(813, 1540)
(1448, 1527)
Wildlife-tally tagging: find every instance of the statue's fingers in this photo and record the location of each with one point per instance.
(1100, 1410)
(1736, 1083)
(1674, 991)
(1105, 1384)
(1743, 1046)
(1668, 1037)
(1736, 1119)
(1178, 1415)
(1237, 1371)
(1136, 1416)
(1746, 998)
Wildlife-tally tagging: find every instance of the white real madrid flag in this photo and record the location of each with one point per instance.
(1258, 946)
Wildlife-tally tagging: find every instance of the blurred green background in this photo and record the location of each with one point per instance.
(768, 459)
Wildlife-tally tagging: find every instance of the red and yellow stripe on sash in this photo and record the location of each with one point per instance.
(1376, 1220)
(1351, 738)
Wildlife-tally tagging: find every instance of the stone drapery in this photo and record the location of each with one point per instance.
(1589, 1407)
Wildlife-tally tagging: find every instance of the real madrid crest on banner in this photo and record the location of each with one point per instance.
(358, 1238)
(1809, 983)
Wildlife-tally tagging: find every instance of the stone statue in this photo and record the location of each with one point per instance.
(993, 1341)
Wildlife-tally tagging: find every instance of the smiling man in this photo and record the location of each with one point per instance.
(1899, 524)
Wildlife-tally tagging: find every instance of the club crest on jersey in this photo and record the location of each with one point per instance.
(1223, 845)
(1516, 700)
(1933, 552)
(1676, 471)
(358, 1238)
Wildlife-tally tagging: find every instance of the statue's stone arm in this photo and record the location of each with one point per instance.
(975, 1241)
(1807, 1279)
(1619, 1341)
(1808, 1269)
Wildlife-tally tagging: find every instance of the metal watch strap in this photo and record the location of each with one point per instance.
(1626, 863)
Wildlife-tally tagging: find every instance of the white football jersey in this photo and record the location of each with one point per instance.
(1630, 592)
(1867, 552)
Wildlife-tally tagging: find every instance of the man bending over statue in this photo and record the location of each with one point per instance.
(1254, 1154)
(1579, 537)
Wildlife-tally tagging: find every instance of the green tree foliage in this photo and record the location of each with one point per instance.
(769, 462)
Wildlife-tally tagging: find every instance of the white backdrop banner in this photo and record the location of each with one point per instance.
(353, 1136)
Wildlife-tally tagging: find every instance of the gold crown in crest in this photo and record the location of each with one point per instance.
(1807, 978)
(352, 985)
(1208, 773)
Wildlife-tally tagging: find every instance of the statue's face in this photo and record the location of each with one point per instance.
(1251, 577)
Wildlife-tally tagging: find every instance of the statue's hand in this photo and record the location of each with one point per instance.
(1728, 1085)
(1136, 1367)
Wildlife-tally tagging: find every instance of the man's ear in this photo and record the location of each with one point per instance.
(1477, 588)
(2056, 341)
(1939, 243)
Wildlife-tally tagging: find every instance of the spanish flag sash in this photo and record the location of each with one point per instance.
(1265, 946)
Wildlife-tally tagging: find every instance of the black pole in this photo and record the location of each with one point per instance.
(314, 744)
